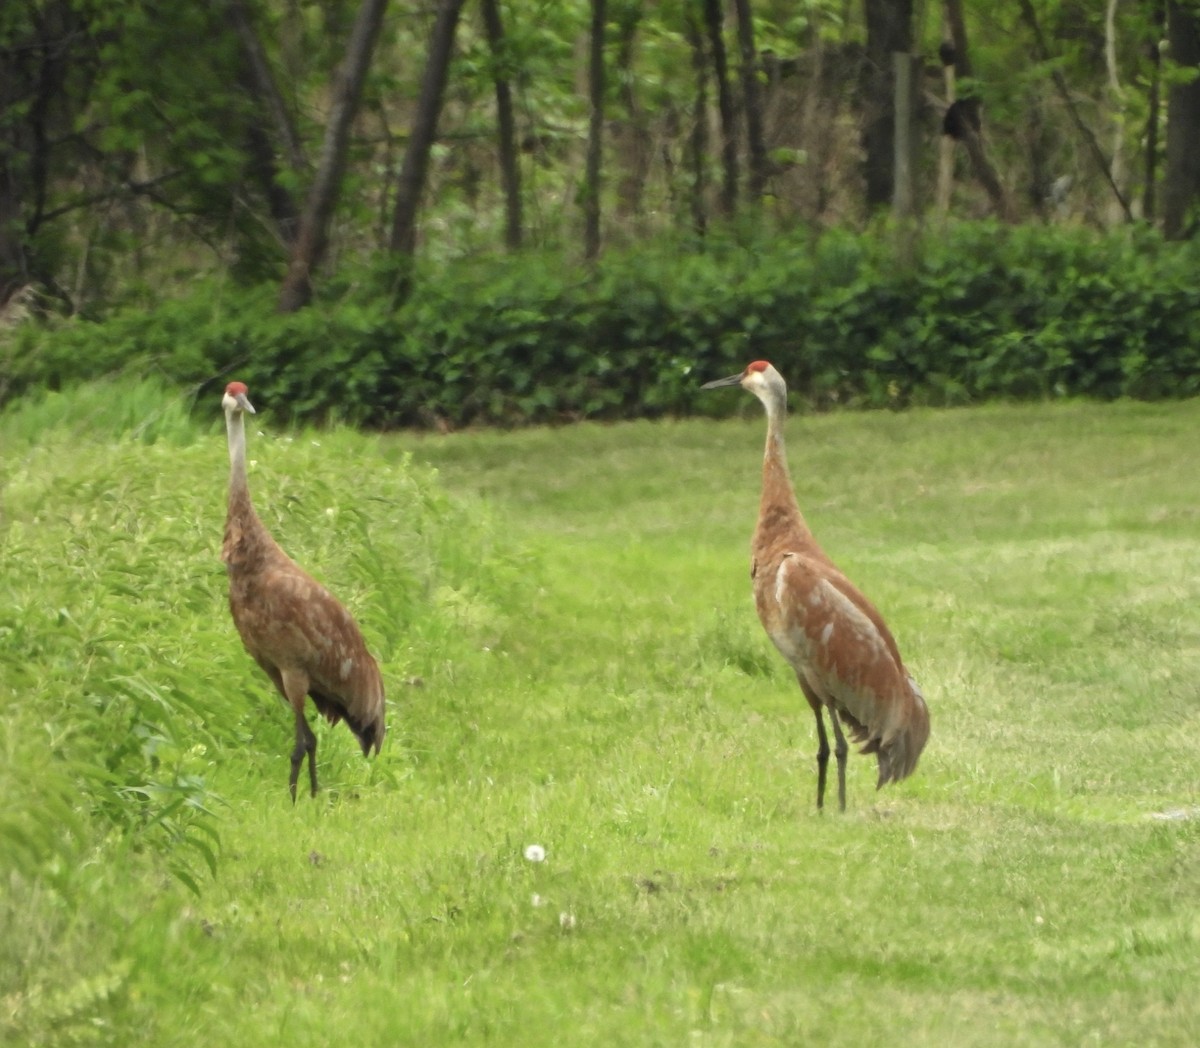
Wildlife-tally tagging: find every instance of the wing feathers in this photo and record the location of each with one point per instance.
(822, 624)
(289, 620)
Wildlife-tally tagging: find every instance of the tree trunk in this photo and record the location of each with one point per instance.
(14, 268)
(411, 182)
(963, 121)
(752, 97)
(889, 29)
(15, 163)
(1116, 98)
(713, 23)
(945, 178)
(264, 171)
(506, 134)
(595, 140)
(33, 76)
(697, 146)
(960, 54)
(1181, 182)
(308, 248)
(1153, 104)
(904, 192)
(259, 84)
(631, 133)
(266, 91)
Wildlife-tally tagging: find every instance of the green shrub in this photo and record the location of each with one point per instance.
(982, 312)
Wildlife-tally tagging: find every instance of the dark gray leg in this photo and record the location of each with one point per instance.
(840, 750)
(822, 757)
(306, 745)
(822, 740)
(294, 684)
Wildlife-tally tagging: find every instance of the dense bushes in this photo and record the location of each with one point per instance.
(982, 312)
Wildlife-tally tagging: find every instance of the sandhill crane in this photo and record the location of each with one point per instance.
(844, 656)
(304, 640)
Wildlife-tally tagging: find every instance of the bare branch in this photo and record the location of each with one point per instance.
(1060, 84)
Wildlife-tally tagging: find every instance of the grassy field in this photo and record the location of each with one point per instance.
(573, 661)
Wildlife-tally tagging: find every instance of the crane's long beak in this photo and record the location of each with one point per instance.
(244, 403)
(731, 380)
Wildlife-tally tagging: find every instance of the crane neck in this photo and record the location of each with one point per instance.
(239, 486)
(246, 542)
(778, 508)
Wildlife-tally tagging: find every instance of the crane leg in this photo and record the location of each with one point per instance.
(822, 740)
(306, 744)
(295, 687)
(822, 758)
(840, 749)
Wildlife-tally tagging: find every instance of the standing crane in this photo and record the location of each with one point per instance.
(844, 655)
(295, 629)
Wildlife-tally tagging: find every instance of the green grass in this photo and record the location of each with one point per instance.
(572, 660)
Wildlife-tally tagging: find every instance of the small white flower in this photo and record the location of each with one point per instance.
(535, 853)
(566, 921)
(537, 900)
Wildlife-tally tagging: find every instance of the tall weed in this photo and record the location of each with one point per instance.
(123, 680)
(125, 695)
(135, 408)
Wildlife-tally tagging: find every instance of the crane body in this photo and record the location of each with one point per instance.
(306, 642)
(844, 656)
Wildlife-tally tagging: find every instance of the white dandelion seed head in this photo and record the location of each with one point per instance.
(535, 853)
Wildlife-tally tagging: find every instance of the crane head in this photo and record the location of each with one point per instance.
(236, 398)
(758, 378)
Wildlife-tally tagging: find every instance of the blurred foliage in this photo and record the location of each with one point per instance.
(977, 312)
(138, 154)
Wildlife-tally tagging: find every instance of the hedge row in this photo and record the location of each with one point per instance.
(980, 312)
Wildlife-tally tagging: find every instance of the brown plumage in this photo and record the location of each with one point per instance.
(304, 640)
(844, 655)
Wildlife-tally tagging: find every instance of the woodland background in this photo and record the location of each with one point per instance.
(538, 210)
